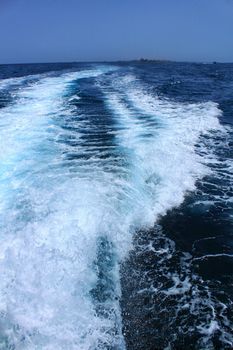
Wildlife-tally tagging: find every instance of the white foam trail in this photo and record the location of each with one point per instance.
(161, 137)
(6, 83)
(53, 216)
(17, 82)
(50, 224)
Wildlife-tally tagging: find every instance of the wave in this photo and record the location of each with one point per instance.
(74, 188)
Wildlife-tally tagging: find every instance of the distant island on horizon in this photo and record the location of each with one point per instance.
(136, 60)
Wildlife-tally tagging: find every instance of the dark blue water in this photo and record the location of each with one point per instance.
(116, 206)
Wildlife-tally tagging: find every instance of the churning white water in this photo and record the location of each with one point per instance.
(56, 209)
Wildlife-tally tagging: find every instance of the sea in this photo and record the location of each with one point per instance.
(116, 206)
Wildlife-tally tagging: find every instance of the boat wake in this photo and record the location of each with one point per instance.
(88, 159)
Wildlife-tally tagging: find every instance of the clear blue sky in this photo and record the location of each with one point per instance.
(74, 30)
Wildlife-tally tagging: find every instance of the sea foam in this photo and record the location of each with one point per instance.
(55, 217)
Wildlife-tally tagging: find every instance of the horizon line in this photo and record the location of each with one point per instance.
(139, 60)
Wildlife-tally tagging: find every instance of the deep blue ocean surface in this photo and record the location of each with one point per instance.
(116, 206)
